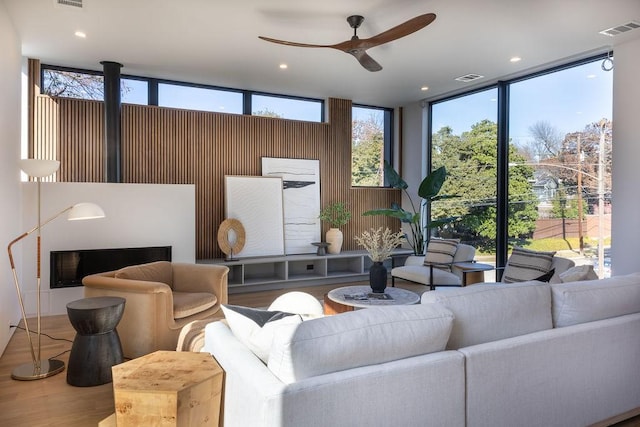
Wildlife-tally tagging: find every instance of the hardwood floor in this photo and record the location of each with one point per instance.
(52, 402)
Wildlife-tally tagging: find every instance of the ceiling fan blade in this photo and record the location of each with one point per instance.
(404, 29)
(366, 61)
(284, 42)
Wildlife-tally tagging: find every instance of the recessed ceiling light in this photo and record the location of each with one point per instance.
(515, 59)
(424, 88)
(283, 66)
(80, 34)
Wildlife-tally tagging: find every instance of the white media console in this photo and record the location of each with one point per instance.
(277, 272)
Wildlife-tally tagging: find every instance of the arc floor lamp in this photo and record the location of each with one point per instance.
(39, 368)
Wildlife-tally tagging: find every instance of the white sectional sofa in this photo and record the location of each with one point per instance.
(528, 354)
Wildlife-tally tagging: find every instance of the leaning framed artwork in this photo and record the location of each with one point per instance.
(301, 196)
(256, 202)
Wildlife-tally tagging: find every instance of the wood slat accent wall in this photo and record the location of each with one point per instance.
(172, 146)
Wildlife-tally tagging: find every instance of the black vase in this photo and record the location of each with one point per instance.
(378, 277)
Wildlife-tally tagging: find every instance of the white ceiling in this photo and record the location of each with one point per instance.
(216, 42)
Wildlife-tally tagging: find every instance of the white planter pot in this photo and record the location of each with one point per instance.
(335, 238)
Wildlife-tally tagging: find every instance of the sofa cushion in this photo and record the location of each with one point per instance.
(440, 253)
(255, 327)
(422, 274)
(591, 300)
(491, 312)
(159, 271)
(358, 338)
(187, 304)
(578, 273)
(525, 264)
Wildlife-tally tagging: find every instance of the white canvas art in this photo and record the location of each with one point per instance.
(301, 195)
(256, 202)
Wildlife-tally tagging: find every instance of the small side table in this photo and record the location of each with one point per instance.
(96, 347)
(473, 272)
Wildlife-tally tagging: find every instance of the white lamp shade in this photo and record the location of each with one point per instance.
(39, 168)
(85, 210)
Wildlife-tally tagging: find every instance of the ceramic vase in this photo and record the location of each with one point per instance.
(334, 238)
(378, 277)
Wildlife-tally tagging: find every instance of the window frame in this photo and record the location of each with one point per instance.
(388, 136)
(153, 84)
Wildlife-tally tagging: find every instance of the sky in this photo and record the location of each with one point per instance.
(568, 100)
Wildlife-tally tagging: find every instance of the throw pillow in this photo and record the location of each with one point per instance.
(547, 276)
(525, 264)
(578, 273)
(255, 327)
(440, 253)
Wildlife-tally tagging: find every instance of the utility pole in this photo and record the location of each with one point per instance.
(603, 124)
(580, 213)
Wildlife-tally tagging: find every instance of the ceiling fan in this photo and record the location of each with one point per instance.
(358, 47)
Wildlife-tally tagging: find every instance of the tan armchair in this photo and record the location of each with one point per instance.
(162, 297)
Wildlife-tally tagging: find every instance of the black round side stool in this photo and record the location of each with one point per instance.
(96, 347)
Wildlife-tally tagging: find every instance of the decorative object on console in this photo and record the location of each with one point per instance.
(322, 248)
(231, 230)
(301, 197)
(380, 245)
(336, 214)
(39, 368)
(428, 192)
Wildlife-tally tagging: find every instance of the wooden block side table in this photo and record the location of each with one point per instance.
(168, 388)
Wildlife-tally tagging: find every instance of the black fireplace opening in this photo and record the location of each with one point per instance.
(69, 267)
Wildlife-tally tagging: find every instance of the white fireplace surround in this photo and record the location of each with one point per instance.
(137, 215)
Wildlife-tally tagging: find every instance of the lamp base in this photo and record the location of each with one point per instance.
(29, 371)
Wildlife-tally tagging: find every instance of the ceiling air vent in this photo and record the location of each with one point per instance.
(74, 3)
(469, 77)
(612, 32)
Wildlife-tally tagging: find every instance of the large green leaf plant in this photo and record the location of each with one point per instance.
(428, 192)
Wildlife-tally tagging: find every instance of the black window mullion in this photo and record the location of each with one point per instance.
(502, 184)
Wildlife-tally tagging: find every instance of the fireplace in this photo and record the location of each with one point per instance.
(69, 267)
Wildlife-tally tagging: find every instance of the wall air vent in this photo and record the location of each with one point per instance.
(469, 77)
(73, 3)
(612, 32)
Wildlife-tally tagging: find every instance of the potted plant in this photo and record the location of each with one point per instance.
(428, 191)
(335, 214)
(380, 245)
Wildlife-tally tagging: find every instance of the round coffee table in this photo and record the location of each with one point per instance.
(347, 298)
(96, 347)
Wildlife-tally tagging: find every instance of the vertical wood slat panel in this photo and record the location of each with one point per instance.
(172, 146)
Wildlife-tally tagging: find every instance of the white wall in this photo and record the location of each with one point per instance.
(10, 77)
(625, 219)
(137, 215)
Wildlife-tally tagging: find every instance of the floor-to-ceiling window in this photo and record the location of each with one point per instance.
(559, 163)
(560, 124)
(464, 140)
